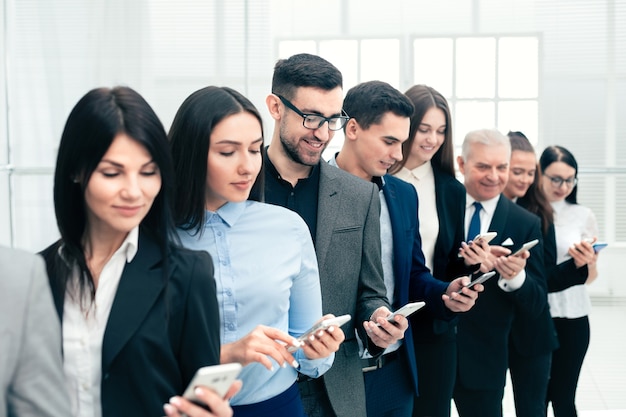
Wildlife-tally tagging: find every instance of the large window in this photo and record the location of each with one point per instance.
(489, 81)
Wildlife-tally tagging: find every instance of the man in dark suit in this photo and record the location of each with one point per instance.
(31, 369)
(342, 213)
(374, 135)
(483, 333)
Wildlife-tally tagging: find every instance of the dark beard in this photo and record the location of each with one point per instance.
(292, 152)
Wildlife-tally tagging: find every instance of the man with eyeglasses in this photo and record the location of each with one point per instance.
(342, 212)
(483, 333)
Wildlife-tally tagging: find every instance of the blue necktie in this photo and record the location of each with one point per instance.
(474, 226)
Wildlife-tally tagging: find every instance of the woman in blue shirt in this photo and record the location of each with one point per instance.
(265, 265)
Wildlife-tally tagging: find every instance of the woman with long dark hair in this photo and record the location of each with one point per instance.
(266, 268)
(139, 314)
(575, 229)
(428, 164)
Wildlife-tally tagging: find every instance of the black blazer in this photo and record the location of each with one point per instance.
(450, 202)
(484, 331)
(161, 329)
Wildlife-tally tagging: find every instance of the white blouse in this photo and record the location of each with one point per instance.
(572, 223)
(423, 179)
(83, 332)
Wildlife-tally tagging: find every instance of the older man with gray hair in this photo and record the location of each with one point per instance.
(520, 287)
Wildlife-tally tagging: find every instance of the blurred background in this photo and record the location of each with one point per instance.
(553, 69)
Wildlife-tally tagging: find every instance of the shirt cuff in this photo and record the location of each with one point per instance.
(515, 283)
(314, 367)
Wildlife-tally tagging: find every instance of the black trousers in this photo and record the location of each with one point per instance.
(529, 375)
(567, 362)
(436, 374)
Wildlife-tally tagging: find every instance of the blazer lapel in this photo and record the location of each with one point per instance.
(498, 221)
(140, 285)
(398, 230)
(327, 208)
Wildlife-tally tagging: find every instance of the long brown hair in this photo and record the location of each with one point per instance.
(534, 200)
(423, 98)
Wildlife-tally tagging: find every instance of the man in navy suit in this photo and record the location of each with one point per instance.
(374, 135)
(483, 333)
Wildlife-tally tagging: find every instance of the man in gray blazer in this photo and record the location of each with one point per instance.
(342, 212)
(31, 370)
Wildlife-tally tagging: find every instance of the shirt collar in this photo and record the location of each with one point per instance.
(128, 247)
(379, 181)
(488, 205)
(229, 213)
(422, 171)
(130, 244)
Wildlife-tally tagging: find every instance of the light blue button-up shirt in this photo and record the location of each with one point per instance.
(266, 273)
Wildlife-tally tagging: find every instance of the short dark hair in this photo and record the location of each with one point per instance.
(559, 154)
(95, 121)
(368, 102)
(189, 142)
(534, 200)
(424, 98)
(304, 70)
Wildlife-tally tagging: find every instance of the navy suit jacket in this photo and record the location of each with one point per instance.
(413, 280)
(484, 331)
(161, 329)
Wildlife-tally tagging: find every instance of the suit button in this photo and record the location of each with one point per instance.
(106, 376)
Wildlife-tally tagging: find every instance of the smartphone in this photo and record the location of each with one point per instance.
(218, 378)
(406, 310)
(487, 237)
(484, 277)
(525, 246)
(598, 246)
(322, 325)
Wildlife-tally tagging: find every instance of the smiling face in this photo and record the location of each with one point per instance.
(486, 170)
(234, 159)
(429, 137)
(377, 148)
(122, 188)
(522, 173)
(302, 145)
(555, 193)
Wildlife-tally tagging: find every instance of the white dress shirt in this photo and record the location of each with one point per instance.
(423, 179)
(486, 215)
(572, 223)
(83, 331)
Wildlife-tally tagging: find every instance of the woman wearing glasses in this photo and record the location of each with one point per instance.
(575, 229)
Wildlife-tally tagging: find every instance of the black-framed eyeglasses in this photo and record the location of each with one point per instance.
(315, 121)
(558, 181)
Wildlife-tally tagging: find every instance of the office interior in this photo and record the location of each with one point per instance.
(553, 69)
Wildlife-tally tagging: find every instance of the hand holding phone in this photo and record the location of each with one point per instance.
(321, 325)
(219, 378)
(598, 246)
(525, 246)
(406, 310)
(484, 277)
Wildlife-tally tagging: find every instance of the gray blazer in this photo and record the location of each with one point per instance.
(31, 370)
(351, 277)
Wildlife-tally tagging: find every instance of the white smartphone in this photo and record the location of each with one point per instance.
(322, 325)
(487, 237)
(218, 378)
(525, 246)
(598, 246)
(406, 310)
(484, 277)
